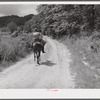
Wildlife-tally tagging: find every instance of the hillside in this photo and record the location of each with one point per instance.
(14, 18)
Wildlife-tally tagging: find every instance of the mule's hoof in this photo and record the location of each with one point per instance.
(36, 64)
(44, 52)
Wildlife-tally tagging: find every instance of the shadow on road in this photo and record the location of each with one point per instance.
(48, 63)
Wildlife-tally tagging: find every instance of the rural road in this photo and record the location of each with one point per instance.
(53, 73)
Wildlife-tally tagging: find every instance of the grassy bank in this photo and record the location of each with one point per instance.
(85, 63)
(12, 49)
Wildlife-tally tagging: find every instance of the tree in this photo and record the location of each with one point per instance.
(70, 20)
(35, 22)
(12, 27)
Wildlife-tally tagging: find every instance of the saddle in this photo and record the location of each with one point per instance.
(39, 41)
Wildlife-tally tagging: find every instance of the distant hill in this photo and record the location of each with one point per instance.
(14, 18)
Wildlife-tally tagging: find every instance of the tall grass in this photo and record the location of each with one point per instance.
(85, 49)
(12, 49)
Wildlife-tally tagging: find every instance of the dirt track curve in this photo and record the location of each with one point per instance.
(54, 71)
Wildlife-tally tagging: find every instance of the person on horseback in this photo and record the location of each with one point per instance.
(38, 37)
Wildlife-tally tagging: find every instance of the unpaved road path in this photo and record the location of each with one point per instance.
(54, 71)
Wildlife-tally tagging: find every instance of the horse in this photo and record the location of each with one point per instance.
(37, 48)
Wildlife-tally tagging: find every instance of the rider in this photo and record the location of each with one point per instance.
(38, 37)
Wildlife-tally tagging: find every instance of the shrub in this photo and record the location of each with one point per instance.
(89, 49)
(12, 27)
(12, 49)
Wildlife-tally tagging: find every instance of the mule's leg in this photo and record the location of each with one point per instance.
(38, 58)
(34, 56)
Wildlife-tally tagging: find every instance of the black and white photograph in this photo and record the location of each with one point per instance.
(49, 46)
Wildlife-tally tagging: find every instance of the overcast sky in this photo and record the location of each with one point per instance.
(20, 10)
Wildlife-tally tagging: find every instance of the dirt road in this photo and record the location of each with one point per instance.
(54, 71)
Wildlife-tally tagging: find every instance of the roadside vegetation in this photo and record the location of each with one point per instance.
(13, 49)
(15, 44)
(85, 65)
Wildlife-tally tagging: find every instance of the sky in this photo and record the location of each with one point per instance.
(19, 9)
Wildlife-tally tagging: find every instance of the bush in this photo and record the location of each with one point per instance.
(14, 34)
(89, 49)
(12, 27)
(12, 49)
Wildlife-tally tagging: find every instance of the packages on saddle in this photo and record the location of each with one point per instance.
(37, 35)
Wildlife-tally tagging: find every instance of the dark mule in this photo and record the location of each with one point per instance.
(37, 48)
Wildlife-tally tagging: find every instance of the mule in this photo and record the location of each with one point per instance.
(37, 48)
